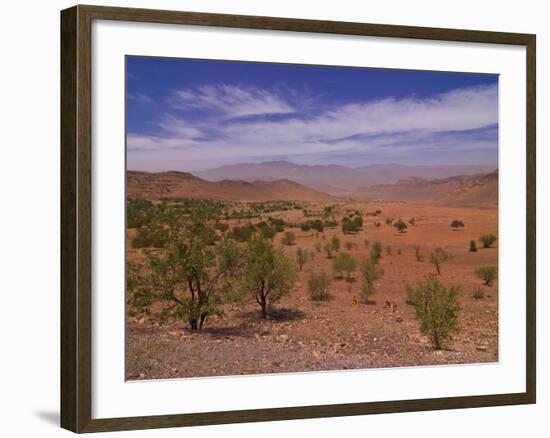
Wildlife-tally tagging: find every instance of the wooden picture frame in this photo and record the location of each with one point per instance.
(76, 196)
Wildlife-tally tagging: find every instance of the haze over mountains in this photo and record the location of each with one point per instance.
(335, 179)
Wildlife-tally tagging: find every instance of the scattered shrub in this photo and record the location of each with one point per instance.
(318, 286)
(349, 245)
(487, 273)
(388, 249)
(400, 225)
(478, 293)
(328, 250)
(457, 224)
(335, 243)
(318, 247)
(389, 221)
(437, 257)
(418, 254)
(344, 263)
(437, 309)
(369, 273)
(376, 252)
(488, 240)
(301, 258)
(289, 238)
(473, 246)
(399, 251)
(366, 243)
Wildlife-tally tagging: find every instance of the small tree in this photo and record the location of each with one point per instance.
(190, 277)
(488, 240)
(418, 254)
(344, 263)
(335, 243)
(376, 252)
(400, 225)
(473, 246)
(289, 238)
(437, 309)
(328, 250)
(457, 224)
(438, 257)
(318, 286)
(301, 257)
(487, 273)
(268, 275)
(370, 273)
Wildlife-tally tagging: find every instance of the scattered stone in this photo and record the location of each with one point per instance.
(399, 319)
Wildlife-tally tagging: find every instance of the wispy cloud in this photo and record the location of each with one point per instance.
(231, 101)
(459, 120)
(140, 98)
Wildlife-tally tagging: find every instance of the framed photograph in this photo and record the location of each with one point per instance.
(269, 218)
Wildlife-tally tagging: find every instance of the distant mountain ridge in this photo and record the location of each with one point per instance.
(336, 179)
(458, 191)
(174, 184)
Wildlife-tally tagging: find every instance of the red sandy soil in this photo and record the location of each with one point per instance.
(303, 335)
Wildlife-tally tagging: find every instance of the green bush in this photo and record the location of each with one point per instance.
(318, 286)
(376, 252)
(400, 225)
(487, 273)
(478, 293)
(457, 224)
(487, 240)
(369, 273)
(268, 273)
(344, 263)
(473, 246)
(437, 309)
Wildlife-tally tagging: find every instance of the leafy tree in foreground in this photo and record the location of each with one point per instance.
(318, 286)
(190, 277)
(437, 309)
(268, 273)
(370, 273)
(487, 273)
(437, 257)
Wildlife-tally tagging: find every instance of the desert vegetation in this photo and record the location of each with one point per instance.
(305, 275)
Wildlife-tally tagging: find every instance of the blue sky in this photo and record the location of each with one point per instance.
(185, 114)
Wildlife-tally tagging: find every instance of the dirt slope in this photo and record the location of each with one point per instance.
(185, 185)
(457, 191)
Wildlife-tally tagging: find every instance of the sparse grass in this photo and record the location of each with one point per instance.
(478, 293)
(487, 273)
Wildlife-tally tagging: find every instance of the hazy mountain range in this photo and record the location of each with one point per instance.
(335, 179)
(175, 184)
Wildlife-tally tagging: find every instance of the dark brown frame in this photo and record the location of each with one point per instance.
(76, 308)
